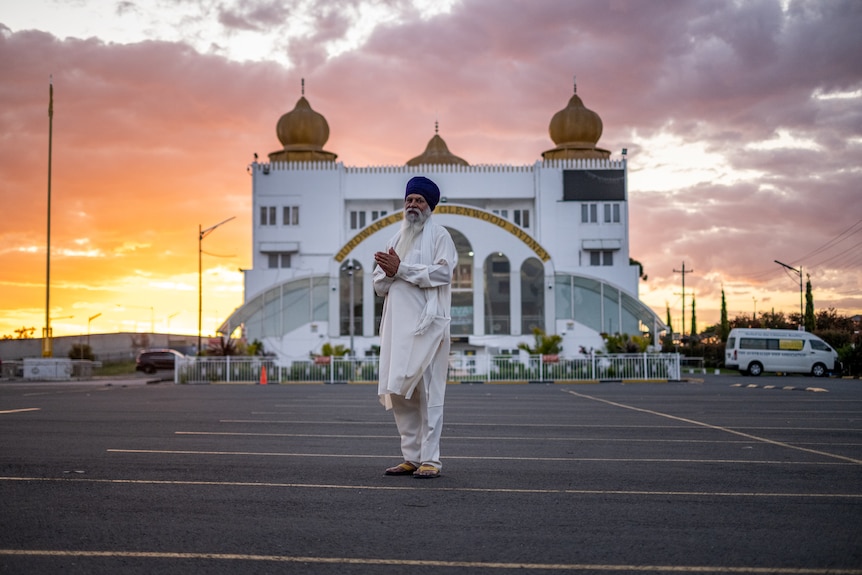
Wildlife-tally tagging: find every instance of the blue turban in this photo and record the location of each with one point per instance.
(425, 188)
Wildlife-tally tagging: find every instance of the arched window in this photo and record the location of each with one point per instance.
(462, 286)
(462, 289)
(532, 295)
(350, 275)
(497, 295)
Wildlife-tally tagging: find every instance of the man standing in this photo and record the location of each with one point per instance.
(414, 276)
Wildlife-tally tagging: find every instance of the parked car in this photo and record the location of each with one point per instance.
(151, 360)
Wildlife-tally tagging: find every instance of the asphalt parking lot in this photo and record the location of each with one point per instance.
(719, 474)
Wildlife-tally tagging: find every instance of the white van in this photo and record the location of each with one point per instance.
(753, 351)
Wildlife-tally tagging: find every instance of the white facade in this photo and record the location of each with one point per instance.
(540, 246)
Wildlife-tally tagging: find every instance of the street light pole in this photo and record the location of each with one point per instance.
(798, 271)
(201, 235)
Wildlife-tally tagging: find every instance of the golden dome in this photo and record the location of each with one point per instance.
(575, 130)
(302, 132)
(437, 154)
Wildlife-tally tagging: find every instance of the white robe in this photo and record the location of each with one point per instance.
(414, 328)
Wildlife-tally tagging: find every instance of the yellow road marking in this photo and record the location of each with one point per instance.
(426, 563)
(717, 428)
(425, 487)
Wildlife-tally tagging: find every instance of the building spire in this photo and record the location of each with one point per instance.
(303, 87)
(575, 82)
(436, 127)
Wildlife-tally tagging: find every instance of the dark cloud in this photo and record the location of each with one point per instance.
(254, 16)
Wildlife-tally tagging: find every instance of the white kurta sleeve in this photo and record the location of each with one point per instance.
(381, 281)
(434, 275)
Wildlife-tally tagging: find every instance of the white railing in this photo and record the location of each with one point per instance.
(534, 368)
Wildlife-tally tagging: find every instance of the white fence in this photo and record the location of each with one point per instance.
(466, 369)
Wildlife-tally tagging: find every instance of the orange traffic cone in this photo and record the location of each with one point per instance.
(263, 375)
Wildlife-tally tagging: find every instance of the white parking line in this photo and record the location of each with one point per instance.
(583, 567)
(424, 487)
(479, 457)
(716, 427)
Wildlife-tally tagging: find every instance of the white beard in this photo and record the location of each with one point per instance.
(411, 228)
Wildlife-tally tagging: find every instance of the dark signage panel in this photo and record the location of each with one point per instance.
(594, 186)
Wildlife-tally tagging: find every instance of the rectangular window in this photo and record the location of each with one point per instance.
(601, 258)
(267, 215)
(594, 213)
(521, 218)
(607, 211)
(278, 260)
(290, 216)
(585, 213)
(376, 215)
(616, 213)
(357, 220)
(594, 185)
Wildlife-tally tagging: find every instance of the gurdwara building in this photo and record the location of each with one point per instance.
(543, 245)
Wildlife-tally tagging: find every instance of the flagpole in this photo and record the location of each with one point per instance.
(47, 344)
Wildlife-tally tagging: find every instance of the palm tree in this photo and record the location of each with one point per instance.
(544, 344)
(329, 350)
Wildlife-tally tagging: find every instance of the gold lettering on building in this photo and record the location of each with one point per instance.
(476, 213)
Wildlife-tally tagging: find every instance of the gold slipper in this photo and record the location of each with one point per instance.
(405, 468)
(426, 471)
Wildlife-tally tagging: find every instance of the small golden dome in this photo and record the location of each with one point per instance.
(302, 132)
(575, 130)
(437, 154)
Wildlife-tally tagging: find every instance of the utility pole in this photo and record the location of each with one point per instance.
(683, 271)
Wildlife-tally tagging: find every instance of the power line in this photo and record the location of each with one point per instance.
(839, 254)
(840, 237)
(834, 240)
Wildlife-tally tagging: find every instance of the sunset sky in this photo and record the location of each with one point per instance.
(742, 120)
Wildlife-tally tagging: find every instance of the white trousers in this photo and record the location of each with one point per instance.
(420, 427)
